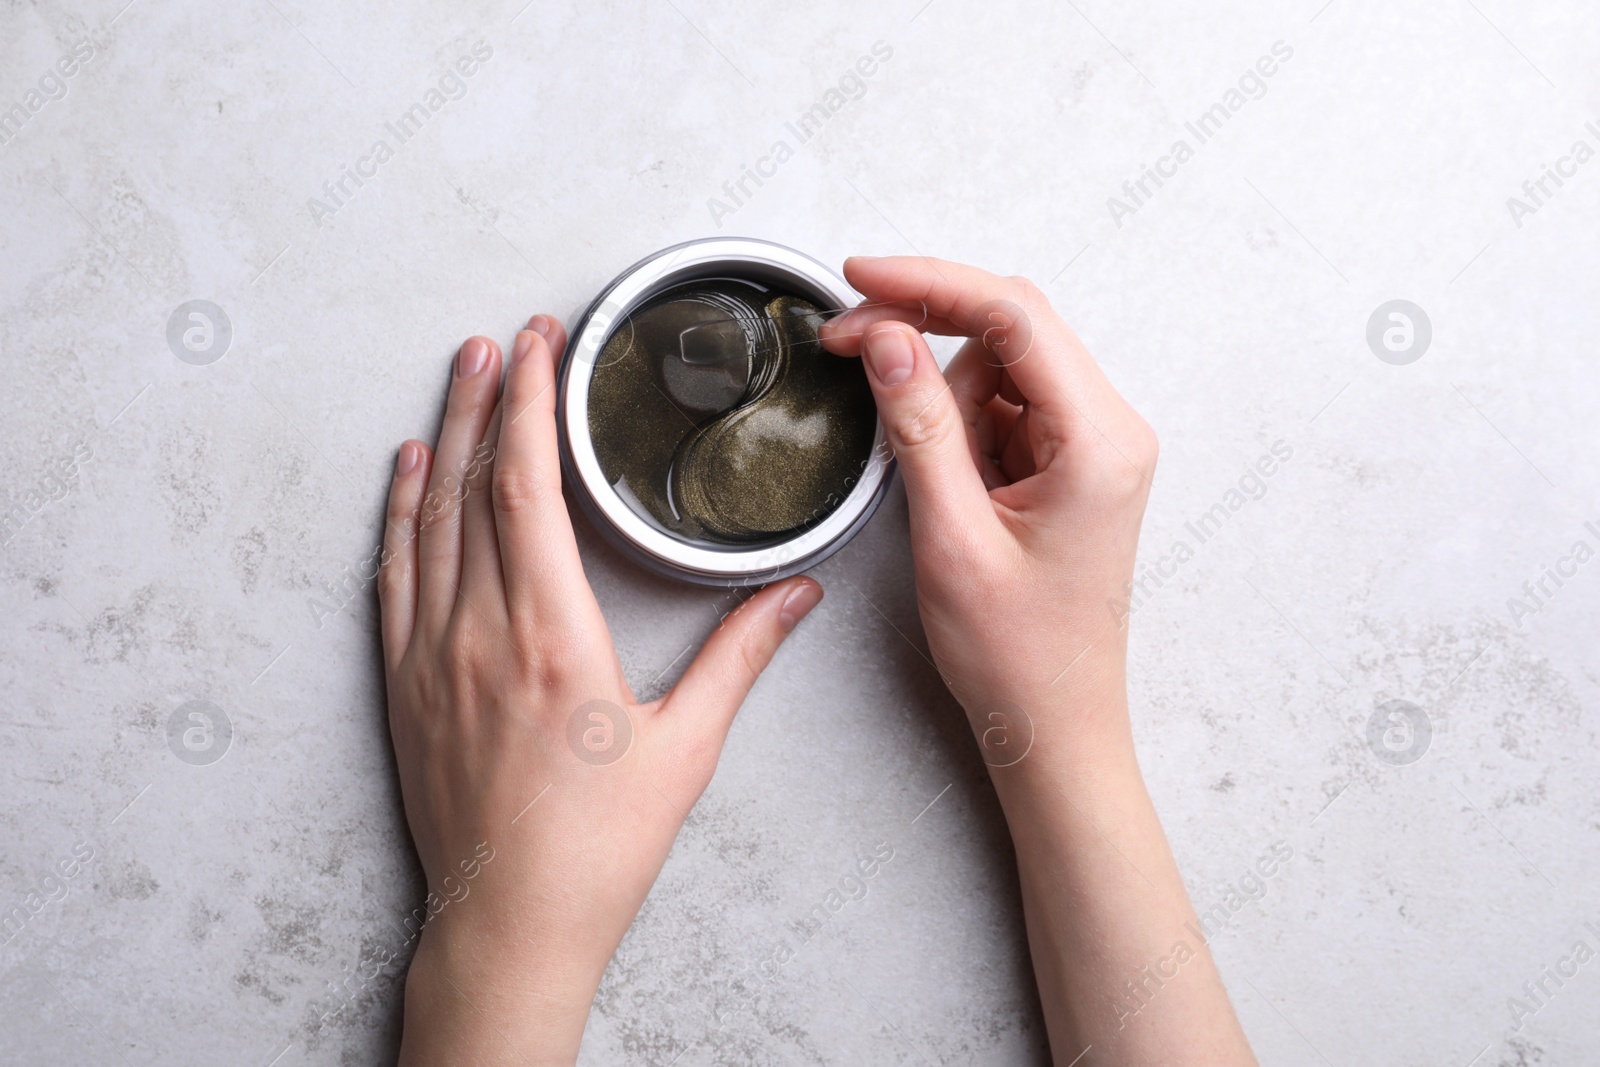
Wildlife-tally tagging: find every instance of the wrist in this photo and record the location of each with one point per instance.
(1067, 747)
(535, 998)
(1055, 725)
(1048, 790)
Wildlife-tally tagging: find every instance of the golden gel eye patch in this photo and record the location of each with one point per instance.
(717, 415)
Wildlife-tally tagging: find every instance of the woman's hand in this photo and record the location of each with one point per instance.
(543, 799)
(1027, 475)
(1026, 478)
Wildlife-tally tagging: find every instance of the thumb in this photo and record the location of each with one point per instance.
(709, 694)
(924, 425)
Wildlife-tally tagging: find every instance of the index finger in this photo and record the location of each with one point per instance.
(1040, 353)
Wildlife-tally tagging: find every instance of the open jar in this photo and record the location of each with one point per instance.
(704, 429)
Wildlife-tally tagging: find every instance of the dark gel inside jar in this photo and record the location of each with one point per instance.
(717, 415)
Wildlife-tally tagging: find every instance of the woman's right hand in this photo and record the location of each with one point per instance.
(1026, 479)
(1026, 475)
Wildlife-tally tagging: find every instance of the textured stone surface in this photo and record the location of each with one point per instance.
(179, 561)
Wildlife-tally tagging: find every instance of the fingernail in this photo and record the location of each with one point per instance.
(865, 259)
(474, 354)
(889, 355)
(798, 603)
(540, 325)
(520, 349)
(835, 325)
(409, 455)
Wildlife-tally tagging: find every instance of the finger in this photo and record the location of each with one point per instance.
(482, 584)
(549, 327)
(995, 424)
(842, 334)
(397, 569)
(708, 695)
(925, 427)
(1073, 410)
(1016, 456)
(1009, 391)
(439, 545)
(1042, 354)
(1001, 418)
(993, 476)
(483, 563)
(974, 380)
(538, 554)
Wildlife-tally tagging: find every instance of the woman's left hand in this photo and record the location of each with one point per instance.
(543, 799)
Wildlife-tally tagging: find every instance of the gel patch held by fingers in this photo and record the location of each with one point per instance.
(718, 416)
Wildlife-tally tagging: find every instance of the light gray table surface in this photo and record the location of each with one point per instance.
(175, 525)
